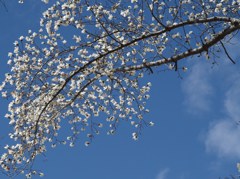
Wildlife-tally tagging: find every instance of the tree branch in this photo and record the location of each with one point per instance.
(220, 36)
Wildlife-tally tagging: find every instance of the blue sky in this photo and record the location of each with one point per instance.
(195, 133)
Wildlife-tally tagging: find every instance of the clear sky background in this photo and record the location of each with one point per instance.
(195, 134)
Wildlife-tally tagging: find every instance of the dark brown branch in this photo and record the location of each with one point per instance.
(226, 52)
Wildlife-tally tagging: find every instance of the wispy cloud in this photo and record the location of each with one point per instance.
(223, 136)
(223, 139)
(197, 88)
(163, 174)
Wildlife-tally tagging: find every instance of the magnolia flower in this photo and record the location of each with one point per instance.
(87, 143)
(135, 136)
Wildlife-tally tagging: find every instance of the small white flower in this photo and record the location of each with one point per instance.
(10, 54)
(184, 69)
(151, 123)
(29, 175)
(4, 94)
(125, 13)
(134, 136)
(53, 145)
(100, 125)
(21, 38)
(87, 143)
(110, 17)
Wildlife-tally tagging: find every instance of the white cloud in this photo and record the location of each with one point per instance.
(197, 88)
(223, 136)
(223, 139)
(163, 174)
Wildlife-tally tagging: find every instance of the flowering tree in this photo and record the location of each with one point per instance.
(86, 62)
